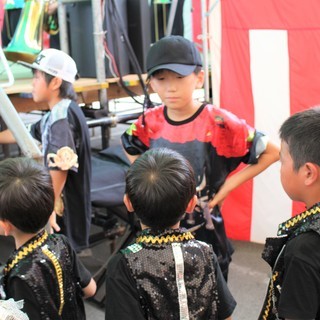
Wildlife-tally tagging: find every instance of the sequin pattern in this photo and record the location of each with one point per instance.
(153, 268)
(39, 272)
(274, 254)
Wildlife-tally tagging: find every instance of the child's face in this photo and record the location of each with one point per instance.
(40, 89)
(174, 90)
(291, 179)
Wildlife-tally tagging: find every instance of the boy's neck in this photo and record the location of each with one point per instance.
(176, 226)
(183, 113)
(21, 238)
(53, 102)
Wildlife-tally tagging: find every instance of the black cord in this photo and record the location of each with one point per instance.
(118, 22)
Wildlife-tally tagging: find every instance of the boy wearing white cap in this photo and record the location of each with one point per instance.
(213, 140)
(65, 141)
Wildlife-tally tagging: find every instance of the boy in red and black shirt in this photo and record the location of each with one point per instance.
(212, 139)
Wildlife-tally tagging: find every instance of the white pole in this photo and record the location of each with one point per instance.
(204, 24)
(99, 48)
(172, 14)
(63, 28)
(12, 119)
(17, 127)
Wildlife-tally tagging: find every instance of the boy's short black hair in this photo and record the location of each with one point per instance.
(26, 194)
(160, 184)
(301, 132)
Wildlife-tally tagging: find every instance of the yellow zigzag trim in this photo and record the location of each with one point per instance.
(268, 305)
(165, 239)
(301, 216)
(25, 251)
(59, 274)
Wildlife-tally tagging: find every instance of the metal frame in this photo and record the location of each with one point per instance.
(98, 34)
(12, 119)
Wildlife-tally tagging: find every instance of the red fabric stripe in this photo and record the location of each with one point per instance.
(196, 21)
(303, 23)
(236, 96)
(271, 14)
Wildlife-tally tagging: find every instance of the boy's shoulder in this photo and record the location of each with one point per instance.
(305, 247)
(133, 248)
(60, 110)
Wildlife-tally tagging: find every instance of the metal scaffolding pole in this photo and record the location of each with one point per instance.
(99, 36)
(13, 120)
(63, 28)
(204, 23)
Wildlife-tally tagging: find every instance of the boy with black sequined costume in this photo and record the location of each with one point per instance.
(43, 270)
(166, 273)
(293, 291)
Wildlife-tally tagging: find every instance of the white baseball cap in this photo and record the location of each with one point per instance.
(56, 63)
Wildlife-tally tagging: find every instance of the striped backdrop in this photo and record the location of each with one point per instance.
(265, 65)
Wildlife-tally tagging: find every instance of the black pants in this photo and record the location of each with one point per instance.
(217, 237)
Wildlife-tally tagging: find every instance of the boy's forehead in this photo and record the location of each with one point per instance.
(165, 71)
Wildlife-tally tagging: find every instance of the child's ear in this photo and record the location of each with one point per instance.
(200, 80)
(5, 227)
(311, 173)
(128, 203)
(55, 83)
(192, 203)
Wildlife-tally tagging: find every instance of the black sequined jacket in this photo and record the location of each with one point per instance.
(274, 251)
(174, 274)
(45, 265)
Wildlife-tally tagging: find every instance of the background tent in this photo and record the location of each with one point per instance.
(265, 63)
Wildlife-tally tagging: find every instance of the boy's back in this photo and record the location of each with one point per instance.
(44, 270)
(166, 273)
(35, 272)
(154, 269)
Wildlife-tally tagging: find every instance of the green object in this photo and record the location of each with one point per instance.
(18, 71)
(27, 40)
(162, 2)
(14, 4)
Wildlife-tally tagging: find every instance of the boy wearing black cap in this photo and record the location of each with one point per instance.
(65, 141)
(166, 273)
(212, 139)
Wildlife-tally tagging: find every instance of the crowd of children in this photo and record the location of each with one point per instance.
(182, 153)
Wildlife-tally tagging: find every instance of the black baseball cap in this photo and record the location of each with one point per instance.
(174, 53)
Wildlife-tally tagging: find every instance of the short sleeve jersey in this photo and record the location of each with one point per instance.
(214, 140)
(65, 140)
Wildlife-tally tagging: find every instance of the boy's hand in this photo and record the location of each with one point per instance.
(53, 223)
(215, 202)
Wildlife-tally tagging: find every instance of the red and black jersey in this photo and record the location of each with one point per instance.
(214, 141)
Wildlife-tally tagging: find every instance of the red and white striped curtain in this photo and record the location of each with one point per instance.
(265, 66)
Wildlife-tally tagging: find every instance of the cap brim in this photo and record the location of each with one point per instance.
(26, 64)
(36, 67)
(182, 69)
